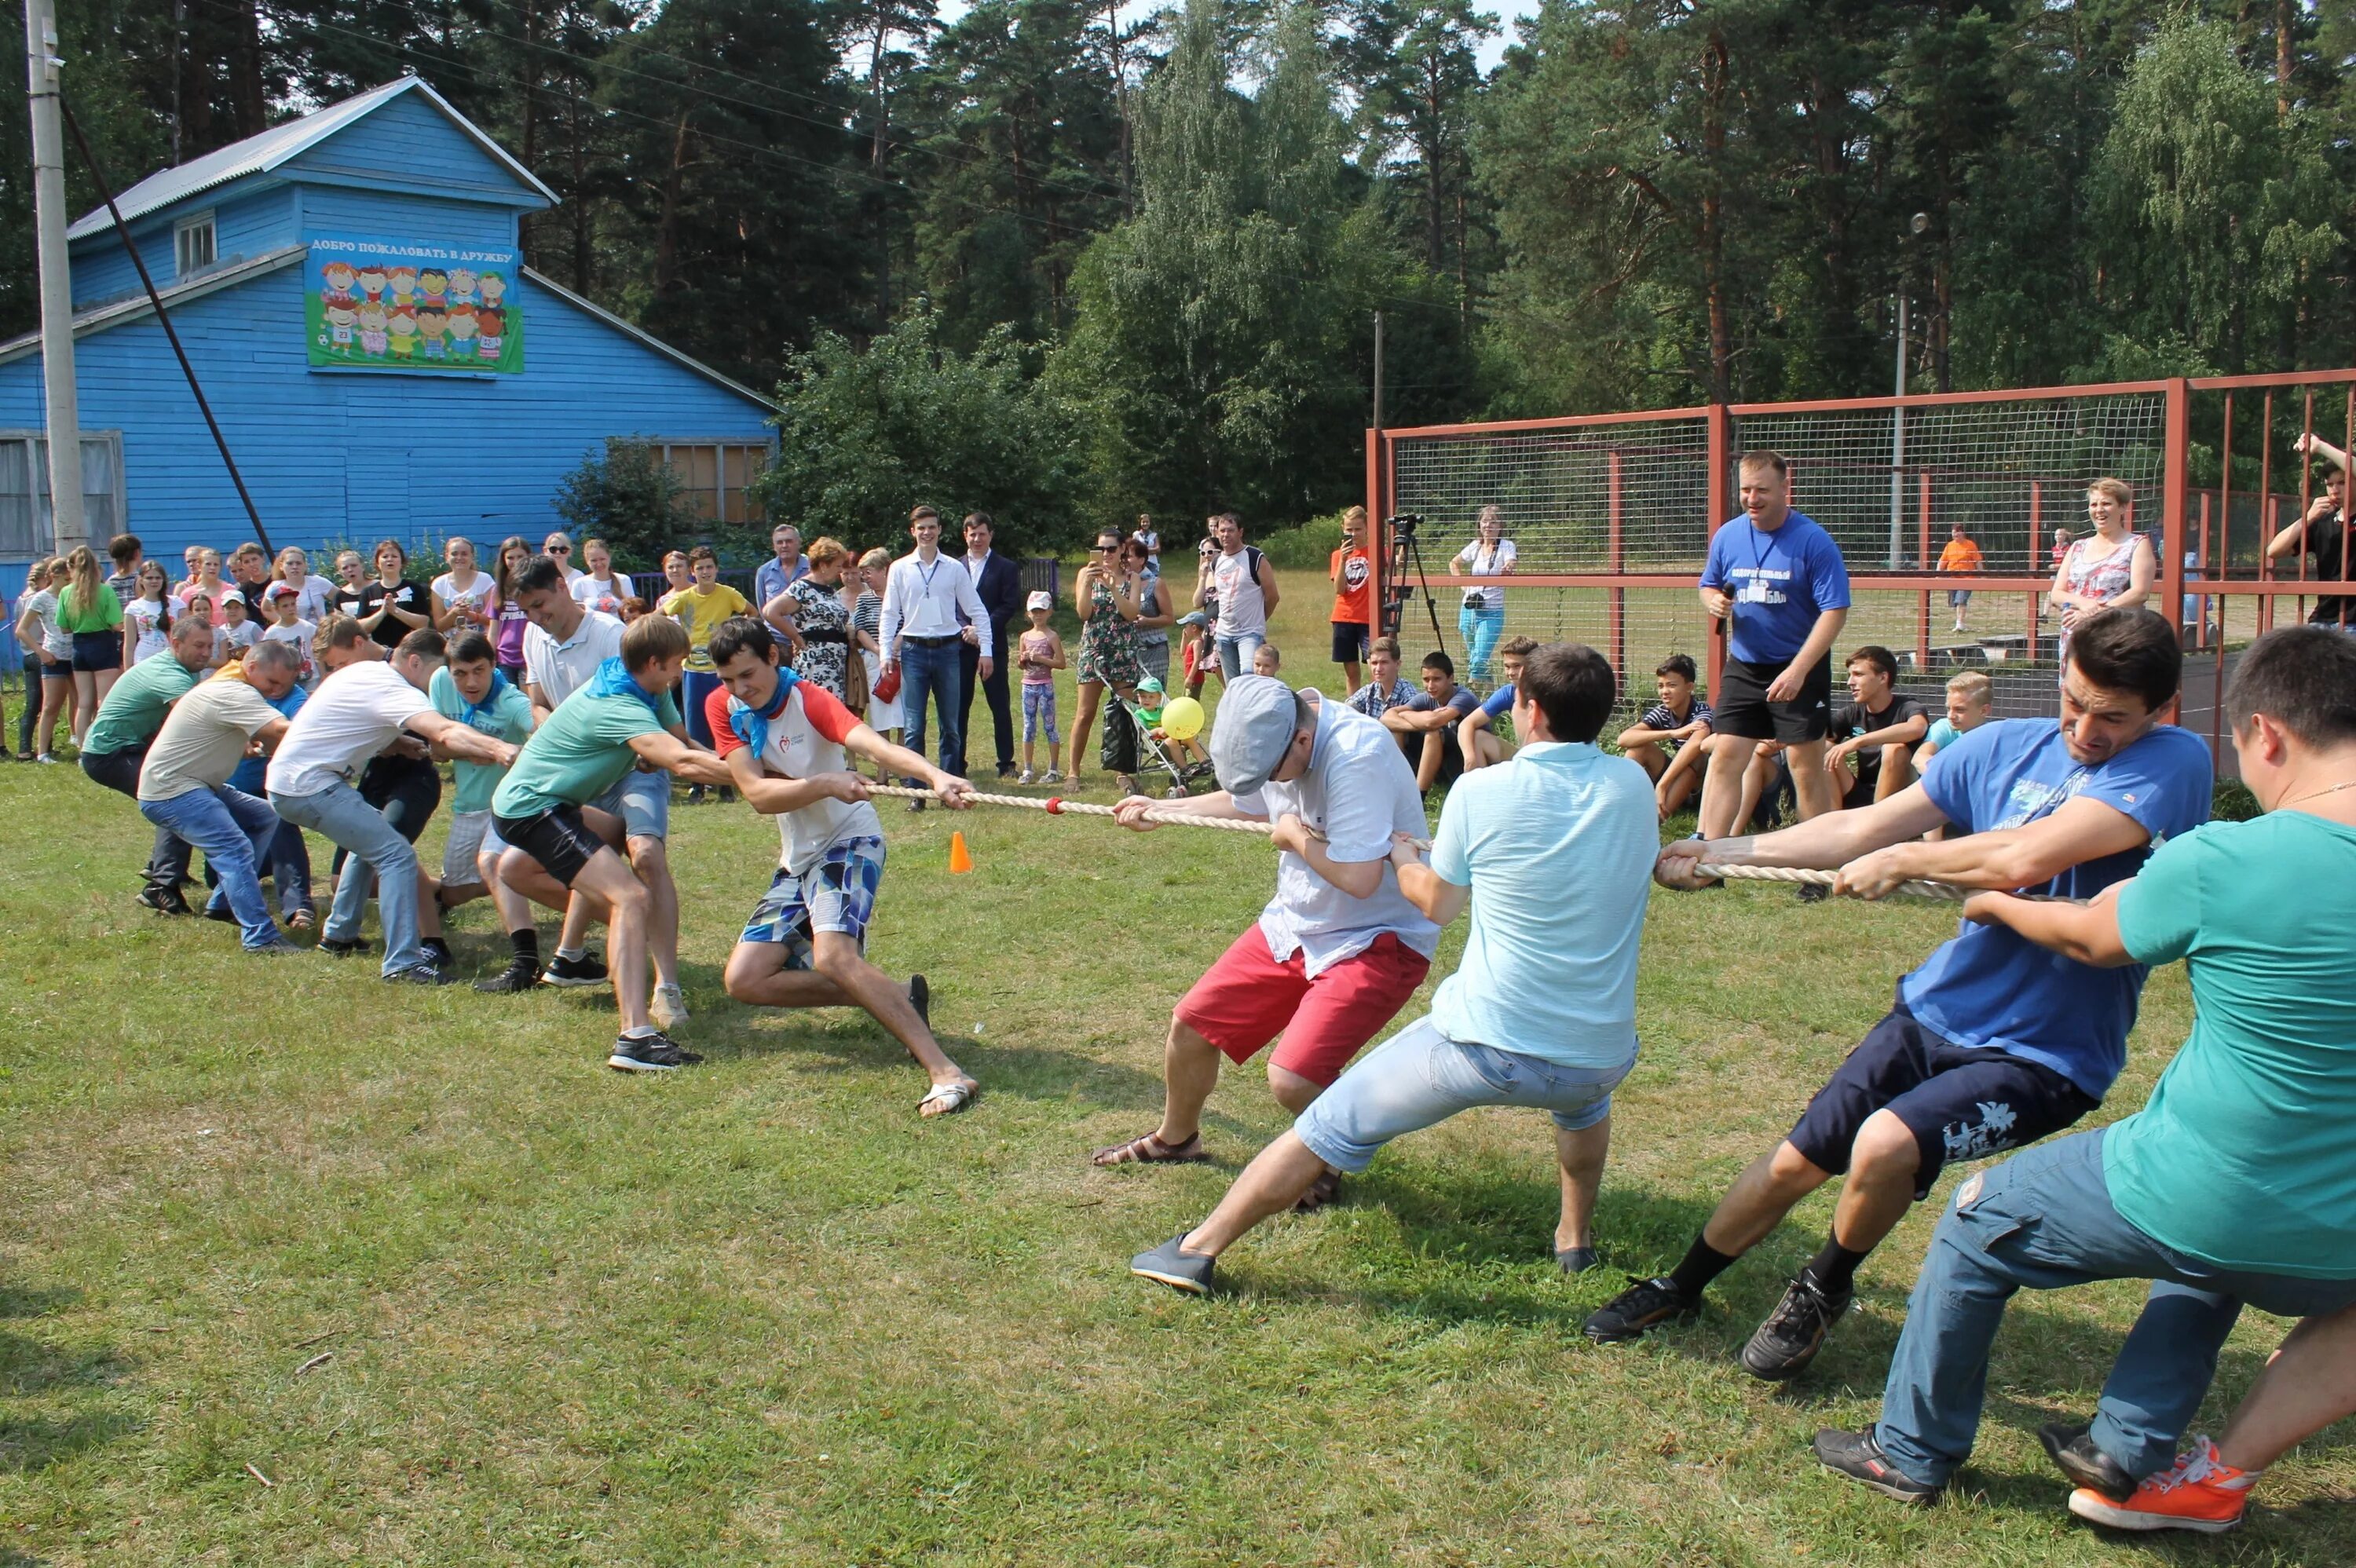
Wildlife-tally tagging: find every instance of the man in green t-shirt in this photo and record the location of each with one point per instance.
(558, 845)
(2236, 1183)
(125, 727)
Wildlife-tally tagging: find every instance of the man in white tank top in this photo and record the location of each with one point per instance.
(1241, 583)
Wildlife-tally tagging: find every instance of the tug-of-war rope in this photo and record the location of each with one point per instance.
(1056, 806)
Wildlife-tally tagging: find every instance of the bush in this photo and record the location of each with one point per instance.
(1309, 548)
(622, 494)
(2232, 802)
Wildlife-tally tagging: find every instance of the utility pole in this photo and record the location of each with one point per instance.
(41, 67)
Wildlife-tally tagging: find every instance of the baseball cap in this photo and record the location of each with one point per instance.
(1151, 683)
(1040, 600)
(1254, 729)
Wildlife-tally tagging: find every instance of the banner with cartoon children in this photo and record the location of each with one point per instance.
(388, 305)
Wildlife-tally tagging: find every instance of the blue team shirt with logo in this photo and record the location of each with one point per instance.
(1780, 580)
(1991, 989)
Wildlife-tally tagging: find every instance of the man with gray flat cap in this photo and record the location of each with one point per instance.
(1339, 949)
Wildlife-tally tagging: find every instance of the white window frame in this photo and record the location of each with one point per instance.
(36, 445)
(183, 234)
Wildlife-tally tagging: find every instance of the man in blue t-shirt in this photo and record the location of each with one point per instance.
(1778, 582)
(1477, 735)
(1994, 1043)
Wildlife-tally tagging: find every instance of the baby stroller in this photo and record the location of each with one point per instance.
(1131, 745)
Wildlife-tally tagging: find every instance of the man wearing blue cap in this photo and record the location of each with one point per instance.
(1339, 949)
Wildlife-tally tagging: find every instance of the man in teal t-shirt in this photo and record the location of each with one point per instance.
(127, 721)
(2237, 1181)
(558, 844)
(471, 690)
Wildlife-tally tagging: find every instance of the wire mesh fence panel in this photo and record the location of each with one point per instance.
(1631, 497)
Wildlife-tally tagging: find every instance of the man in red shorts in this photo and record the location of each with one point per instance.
(1339, 949)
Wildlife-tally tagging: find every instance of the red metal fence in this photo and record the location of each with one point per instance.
(1611, 515)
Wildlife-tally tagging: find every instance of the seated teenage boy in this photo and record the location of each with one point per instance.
(1426, 727)
(1670, 740)
(1876, 726)
(1477, 737)
(1551, 854)
(788, 744)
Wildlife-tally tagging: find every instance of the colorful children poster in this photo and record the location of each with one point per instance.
(391, 305)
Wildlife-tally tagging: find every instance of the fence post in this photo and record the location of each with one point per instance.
(1619, 564)
(1923, 563)
(2174, 493)
(1721, 452)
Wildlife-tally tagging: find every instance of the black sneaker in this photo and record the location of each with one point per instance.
(521, 974)
(649, 1053)
(437, 952)
(164, 900)
(1858, 1456)
(279, 947)
(343, 947)
(584, 970)
(1812, 893)
(1574, 1260)
(2074, 1450)
(1182, 1271)
(1794, 1331)
(1643, 1306)
(223, 914)
(920, 996)
(422, 975)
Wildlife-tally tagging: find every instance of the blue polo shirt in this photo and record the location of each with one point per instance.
(1558, 846)
(1989, 988)
(1780, 580)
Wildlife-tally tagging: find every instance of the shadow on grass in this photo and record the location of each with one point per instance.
(35, 1300)
(35, 1444)
(30, 1367)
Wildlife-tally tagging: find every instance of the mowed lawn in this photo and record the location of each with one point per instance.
(465, 1297)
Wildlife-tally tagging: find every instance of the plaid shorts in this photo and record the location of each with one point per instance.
(836, 894)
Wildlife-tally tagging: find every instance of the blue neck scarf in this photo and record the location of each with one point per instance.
(752, 724)
(485, 709)
(613, 679)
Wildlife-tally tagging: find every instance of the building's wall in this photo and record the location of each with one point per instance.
(360, 454)
(249, 218)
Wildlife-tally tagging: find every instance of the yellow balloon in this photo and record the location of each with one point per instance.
(1182, 719)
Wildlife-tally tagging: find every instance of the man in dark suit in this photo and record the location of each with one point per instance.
(998, 584)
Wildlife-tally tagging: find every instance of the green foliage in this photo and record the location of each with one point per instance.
(623, 494)
(1309, 548)
(2232, 802)
(866, 435)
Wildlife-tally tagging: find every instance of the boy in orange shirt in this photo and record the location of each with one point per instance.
(1961, 555)
(1353, 577)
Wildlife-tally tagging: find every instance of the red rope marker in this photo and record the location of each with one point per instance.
(1055, 806)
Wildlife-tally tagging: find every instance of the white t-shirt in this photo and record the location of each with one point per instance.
(474, 596)
(56, 640)
(603, 594)
(560, 670)
(1243, 605)
(203, 739)
(357, 712)
(1479, 560)
(314, 597)
(300, 634)
(806, 740)
(230, 641)
(147, 616)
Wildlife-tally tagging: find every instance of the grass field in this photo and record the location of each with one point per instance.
(465, 1297)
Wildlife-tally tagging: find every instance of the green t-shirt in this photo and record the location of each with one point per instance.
(509, 719)
(103, 615)
(134, 708)
(581, 751)
(2243, 1156)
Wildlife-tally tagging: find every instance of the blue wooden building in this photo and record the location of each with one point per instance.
(349, 288)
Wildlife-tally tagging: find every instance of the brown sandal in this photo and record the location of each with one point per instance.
(1322, 1191)
(1150, 1150)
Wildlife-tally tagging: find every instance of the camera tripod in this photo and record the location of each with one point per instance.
(1406, 556)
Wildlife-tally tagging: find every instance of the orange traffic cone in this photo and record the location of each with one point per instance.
(960, 862)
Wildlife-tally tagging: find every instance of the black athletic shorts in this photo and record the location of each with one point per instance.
(97, 651)
(1960, 1102)
(1740, 705)
(1349, 642)
(558, 838)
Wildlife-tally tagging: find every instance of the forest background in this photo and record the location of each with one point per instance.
(1072, 262)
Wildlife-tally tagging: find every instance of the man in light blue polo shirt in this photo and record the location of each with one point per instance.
(1552, 852)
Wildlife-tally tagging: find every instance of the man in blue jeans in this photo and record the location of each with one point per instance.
(355, 713)
(1552, 852)
(930, 610)
(184, 783)
(2236, 1182)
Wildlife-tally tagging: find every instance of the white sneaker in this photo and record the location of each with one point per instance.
(667, 1007)
(1026, 776)
(44, 757)
(1053, 776)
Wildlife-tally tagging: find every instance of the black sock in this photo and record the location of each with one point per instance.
(1703, 1263)
(1834, 1269)
(525, 944)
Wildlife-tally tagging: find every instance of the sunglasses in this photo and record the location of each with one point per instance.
(1104, 548)
(560, 550)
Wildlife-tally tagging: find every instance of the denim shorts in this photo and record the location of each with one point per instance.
(642, 800)
(1420, 1077)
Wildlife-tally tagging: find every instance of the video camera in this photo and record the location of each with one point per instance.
(1404, 526)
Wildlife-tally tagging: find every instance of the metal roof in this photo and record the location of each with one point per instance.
(261, 153)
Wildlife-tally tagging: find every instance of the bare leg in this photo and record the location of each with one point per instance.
(1190, 1070)
(1649, 757)
(57, 701)
(1881, 1184)
(607, 878)
(1897, 770)
(2306, 1385)
(1350, 673)
(573, 935)
(429, 905)
(1274, 1181)
(515, 910)
(1435, 752)
(522, 875)
(1759, 1198)
(1581, 1156)
(1810, 782)
(1292, 1092)
(1723, 804)
(842, 978)
(1084, 713)
(651, 861)
(85, 703)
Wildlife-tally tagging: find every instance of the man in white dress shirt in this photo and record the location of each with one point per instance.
(924, 598)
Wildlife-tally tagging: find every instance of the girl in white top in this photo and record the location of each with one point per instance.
(49, 648)
(602, 588)
(313, 594)
(465, 599)
(147, 617)
(1482, 619)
